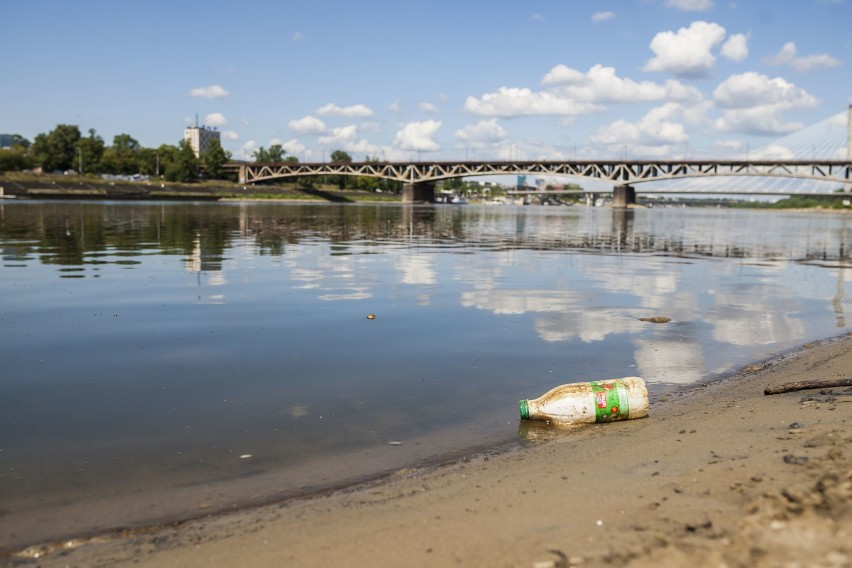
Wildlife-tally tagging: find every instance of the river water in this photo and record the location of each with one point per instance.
(165, 360)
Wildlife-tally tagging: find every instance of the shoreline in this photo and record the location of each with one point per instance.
(719, 473)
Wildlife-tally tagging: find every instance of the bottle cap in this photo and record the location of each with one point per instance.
(525, 409)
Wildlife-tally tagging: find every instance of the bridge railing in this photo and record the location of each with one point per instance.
(616, 171)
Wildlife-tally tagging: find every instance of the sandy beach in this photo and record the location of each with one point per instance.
(718, 475)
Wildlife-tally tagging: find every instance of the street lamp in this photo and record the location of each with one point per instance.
(158, 163)
(80, 153)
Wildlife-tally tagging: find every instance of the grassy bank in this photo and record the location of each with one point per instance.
(86, 187)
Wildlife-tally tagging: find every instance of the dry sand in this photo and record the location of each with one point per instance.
(720, 475)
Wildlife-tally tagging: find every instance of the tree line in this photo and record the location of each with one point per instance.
(66, 149)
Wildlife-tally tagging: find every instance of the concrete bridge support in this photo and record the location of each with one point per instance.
(418, 193)
(623, 196)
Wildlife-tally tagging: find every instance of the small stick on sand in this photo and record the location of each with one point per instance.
(804, 385)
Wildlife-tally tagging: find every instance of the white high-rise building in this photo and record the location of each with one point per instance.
(200, 137)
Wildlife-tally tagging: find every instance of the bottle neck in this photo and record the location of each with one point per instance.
(525, 409)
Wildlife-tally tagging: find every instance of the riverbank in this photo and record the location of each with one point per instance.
(719, 474)
(81, 188)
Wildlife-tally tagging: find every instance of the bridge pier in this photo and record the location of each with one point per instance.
(418, 193)
(623, 196)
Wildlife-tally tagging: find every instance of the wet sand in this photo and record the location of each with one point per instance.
(719, 475)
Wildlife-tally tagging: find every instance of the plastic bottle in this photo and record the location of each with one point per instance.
(596, 401)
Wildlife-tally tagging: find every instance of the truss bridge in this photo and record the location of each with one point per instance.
(419, 177)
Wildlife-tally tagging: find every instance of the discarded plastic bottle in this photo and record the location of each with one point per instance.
(596, 401)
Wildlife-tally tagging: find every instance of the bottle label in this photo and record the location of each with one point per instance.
(611, 402)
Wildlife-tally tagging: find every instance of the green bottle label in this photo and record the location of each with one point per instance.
(611, 402)
(525, 409)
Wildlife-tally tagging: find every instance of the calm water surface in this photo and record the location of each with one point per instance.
(161, 360)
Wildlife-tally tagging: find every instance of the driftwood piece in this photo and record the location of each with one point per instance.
(805, 385)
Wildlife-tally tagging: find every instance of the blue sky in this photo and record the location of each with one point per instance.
(431, 80)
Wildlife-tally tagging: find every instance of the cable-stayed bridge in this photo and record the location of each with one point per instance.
(819, 154)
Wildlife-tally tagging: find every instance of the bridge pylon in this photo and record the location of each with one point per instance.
(418, 193)
(623, 196)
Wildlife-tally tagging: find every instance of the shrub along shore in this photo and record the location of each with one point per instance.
(84, 187)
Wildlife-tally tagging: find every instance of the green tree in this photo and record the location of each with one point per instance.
(57, 149)
(261, 155)
(166, 155)
(91, 151)
(214, 158)
(148, 159)
(18, 140)
(15, 159)
(122, 156)
(185, 165)
(276, 153)
(340, 157)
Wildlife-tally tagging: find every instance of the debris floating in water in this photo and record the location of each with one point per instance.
(656, 319)
(245, 456)
(371, 316)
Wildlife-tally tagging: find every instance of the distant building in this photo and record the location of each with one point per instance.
(5, 140)
(200, 137)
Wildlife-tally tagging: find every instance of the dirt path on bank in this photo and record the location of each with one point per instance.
(718, 476)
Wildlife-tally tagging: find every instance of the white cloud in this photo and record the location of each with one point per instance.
(510, 101)
(294, 147)
(562, 74)
(395, 106)
(211, 92)
(307, 125)
(751, 89)
(484, 131)
(230, 135)
(573, 93)
(354, 111)
(690, 5)
(428, 107)
(603, 16)
(729, 145)
(346, 138)
(341, 135)
(736, 48)
(686, 52)
(773, 152)
(659, 127)
(215, 119)
(753, 104)
(297, 36)
(245, 122)
(789, 56)
(602, 84)
(418, 136)
(537, 18)
(245, 151)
